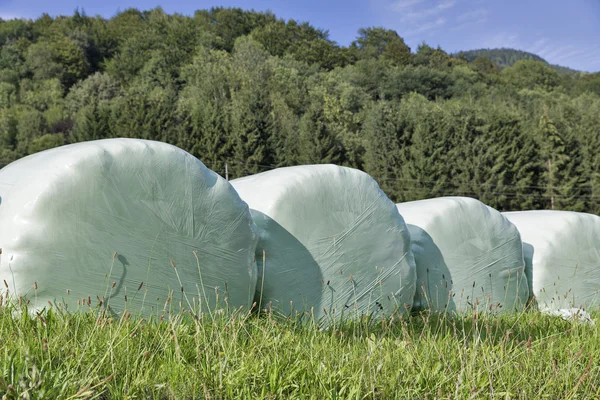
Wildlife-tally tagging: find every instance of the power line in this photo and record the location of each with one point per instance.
(422, 187)
(521, 189)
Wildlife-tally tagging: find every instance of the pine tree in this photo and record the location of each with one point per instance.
(562, 163)
(285, 140)
(554, 158)
(387, 139)
(588, 133)
(250, 109)
(92, 123)
(251, 128)
(509, 166)
(31, 124)
(427, 168)
(316, 143)
(203, 118)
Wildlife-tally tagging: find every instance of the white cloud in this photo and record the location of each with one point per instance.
(576, 56)
(591, 58)
(541, 46)
(425, 13)
(502, 40)
(474, 16)
(540, 42)
(470, 18)
(420, 16)
(445, 4)
(399, 5)
(9, 16)
(426, 27)
(594, 65)
(556, 54)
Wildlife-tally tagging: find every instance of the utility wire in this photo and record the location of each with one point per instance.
(520, 189)
(448, 187)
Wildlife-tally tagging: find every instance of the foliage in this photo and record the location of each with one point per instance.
(255, 92)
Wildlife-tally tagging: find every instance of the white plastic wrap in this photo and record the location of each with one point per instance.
(466, 254)
(77, 218)
(335, 244)
(562, 253)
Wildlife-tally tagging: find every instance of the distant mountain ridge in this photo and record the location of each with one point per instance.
(505, 57)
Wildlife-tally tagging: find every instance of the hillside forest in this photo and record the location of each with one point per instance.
(255, 92)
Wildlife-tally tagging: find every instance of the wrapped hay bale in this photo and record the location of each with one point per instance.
(335, 244)
(562, 256)
(467, 254)
(117, 221)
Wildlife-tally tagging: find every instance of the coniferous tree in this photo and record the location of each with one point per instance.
(587, 130)
(387, 137)
(30, 125)
(316, 143)
(562, 167)
(92, 122)
(428, 170)
(250, 109)
(509, 166)
(285, 141)
(203, 118)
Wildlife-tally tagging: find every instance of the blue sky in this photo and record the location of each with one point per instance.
(564, 32)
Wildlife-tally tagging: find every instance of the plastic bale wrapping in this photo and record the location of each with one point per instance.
(468, 256)
(335, 245)
(562, 254)
(120, 222)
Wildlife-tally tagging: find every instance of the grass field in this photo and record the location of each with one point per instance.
(241, 355)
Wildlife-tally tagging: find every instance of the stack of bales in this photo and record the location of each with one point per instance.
(129, 223)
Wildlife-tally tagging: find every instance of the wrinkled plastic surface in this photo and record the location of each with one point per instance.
(77, 218)
(335, 244)
(466, 254)
(562, 253)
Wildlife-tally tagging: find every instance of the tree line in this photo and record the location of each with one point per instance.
(257, 92)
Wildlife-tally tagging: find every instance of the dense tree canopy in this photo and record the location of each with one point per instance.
(256, 92)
